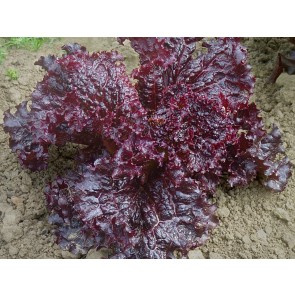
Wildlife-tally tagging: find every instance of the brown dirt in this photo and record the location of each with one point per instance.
(254, 222)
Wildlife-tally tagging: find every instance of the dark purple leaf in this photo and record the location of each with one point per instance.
(277, 174)
(254, 154)
(85, 99)
(150, 221)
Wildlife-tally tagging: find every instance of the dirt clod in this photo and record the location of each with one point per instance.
(196, 254)
(14, 95)
(11, 232)
(213, 255)
(289, 239)
(69, 255)
(281, 214)
(262, 236)
(223, 212)
(97, 254)
(13, 250)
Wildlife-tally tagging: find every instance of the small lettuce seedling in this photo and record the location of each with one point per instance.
(12, 74)
(156, 150)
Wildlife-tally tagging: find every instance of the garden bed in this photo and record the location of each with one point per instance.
(254, 222)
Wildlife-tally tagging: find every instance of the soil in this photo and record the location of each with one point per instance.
(254, 222)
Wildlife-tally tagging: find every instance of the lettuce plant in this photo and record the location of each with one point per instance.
(283, 64)
(155, 149)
